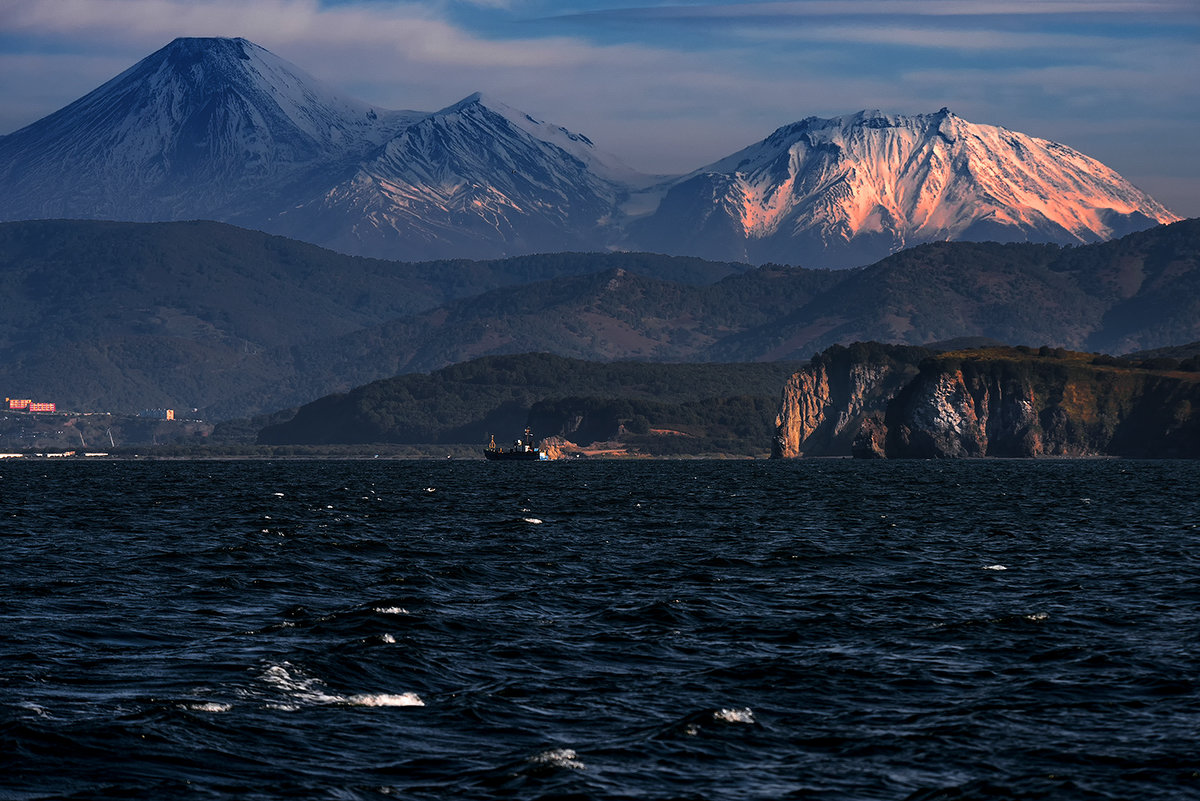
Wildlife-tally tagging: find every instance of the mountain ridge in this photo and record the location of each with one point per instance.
(125, 316)
(223, 129)
(869, 181)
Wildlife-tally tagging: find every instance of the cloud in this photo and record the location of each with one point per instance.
(959, 39)
(895, 8)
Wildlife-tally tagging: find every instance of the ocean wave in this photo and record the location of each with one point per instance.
(558, 758)
(743, 715)
(302, 690)
(385, 699)
(207, 706)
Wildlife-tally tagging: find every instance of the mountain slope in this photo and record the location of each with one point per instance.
(203, 128)
(614, 314)
(1022, 293)
(478, 179)
(100, 315)
(125, 316)
(849, 190)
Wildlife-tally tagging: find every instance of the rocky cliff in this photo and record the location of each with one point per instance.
(825, 404)
(1008, 402)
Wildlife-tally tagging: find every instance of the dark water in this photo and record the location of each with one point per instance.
(614, 630)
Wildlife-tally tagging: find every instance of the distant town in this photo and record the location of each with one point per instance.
(39, 428)
(27, 405)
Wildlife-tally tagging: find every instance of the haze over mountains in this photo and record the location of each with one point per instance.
(223, 129)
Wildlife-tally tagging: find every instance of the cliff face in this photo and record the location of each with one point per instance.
(964, 413)
(1010, 402)
(825, 404)
(1002, 402)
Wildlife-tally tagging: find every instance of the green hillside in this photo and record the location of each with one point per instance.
(108, 316)
(119, 317)
(707, 407)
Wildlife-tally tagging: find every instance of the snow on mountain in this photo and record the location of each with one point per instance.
(850, 190)
(478, 179)
(202, 127)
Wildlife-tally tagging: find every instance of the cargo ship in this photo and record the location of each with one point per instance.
(523, 450)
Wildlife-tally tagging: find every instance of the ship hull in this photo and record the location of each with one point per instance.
(514, 456)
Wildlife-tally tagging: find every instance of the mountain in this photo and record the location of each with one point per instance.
(203, 128)
(124, 316)
(1137, 292)
(478, 179)
(849, 190)
(222, 129)
(111, 316)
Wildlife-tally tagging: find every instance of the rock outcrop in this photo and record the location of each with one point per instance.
(1006, 402)
(825, 404)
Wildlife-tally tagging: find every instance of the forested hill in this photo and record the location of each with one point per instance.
(707, 407)
(109, 316)
(122, 317)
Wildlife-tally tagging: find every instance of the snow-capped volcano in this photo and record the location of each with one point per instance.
(200, 128)
(477, 179)
(850, 190)
(223, 129)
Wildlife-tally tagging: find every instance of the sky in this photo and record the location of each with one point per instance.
(669, 87)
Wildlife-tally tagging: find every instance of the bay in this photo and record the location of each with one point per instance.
(825, 629)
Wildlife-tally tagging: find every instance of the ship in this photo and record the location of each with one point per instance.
(523, 450)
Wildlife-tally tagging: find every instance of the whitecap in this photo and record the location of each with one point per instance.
(208, 706)
(297, 686)
(305, 690)
(277, 494)
(386, 699)
(390, 610)
(559, 758)
(532, 520)
(387, 638)
(994, 567)
(743, 715)
(1037, 616)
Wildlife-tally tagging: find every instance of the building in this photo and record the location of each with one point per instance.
(158, 414)
(26, 405)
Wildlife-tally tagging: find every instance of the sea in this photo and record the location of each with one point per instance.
(626, 629)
